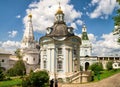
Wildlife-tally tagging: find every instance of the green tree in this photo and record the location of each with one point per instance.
(18, 69)
(36, 79)
(96, 67)
(109, 65)
(118, 1)
(18, 54)
(116, 18)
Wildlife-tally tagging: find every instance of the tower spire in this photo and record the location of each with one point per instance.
(84, 32)
(28, 37)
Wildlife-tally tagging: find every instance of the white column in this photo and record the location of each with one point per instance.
(52, 59)
(41, 59)
(64, 59)
(70, 59)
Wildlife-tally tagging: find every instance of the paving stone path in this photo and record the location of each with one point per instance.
(113, 81)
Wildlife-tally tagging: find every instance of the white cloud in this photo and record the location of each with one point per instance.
(87, 13)
(12, 33)
(103, 8)
(44, 11)
(79, 22)
(73, 25)
(93, 2)
(18, 16)
(10, 45)
(0, 43)
(106, 46)
(92, 38)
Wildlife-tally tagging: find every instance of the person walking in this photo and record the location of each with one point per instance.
(51, 83)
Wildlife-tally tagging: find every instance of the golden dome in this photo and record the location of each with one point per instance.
(59, 11)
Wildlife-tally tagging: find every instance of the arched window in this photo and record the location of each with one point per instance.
(3, 60)
(59, 50)
(74, 52)
(33, 59)
(44, 52)
(86, 52)
(59, 65)
(44, 64)
(26, 59)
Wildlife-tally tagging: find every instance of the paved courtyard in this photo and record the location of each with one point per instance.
(113, 81)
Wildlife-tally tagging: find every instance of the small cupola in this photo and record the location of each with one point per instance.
(59, 16)
(84, 33)
(84, 28)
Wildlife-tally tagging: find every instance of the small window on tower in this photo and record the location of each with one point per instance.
(33, 59)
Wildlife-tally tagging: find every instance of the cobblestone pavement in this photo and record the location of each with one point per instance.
(113, 81)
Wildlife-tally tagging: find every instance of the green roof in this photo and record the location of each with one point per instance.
(84, 36)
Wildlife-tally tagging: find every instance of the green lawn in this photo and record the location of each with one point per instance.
(105, 74)
(11, 83)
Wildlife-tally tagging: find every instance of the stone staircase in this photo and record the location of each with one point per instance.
(79, 77)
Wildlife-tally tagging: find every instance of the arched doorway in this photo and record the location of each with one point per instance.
(86, 66)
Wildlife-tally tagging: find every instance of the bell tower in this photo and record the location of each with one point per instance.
(86, 47)
(28, 37)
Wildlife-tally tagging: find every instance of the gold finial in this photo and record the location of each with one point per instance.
(59, 6)
(30, 15)
(59, 10)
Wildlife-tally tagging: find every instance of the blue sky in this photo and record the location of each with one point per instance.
(96, 14)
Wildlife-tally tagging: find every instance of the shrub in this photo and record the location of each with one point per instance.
(36, 79)
(81, 68)
(2, 76)
(96, 68)
(11, 72)
(109, 65)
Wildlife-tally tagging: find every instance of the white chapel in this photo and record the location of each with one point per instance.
(59, 49)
